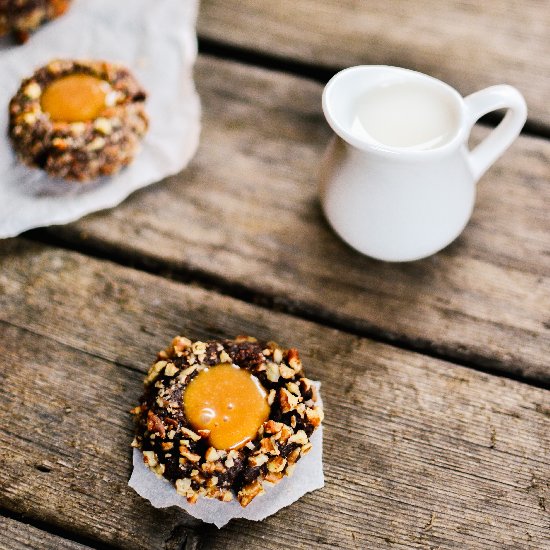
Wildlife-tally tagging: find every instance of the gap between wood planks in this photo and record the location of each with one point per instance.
(55, 530)
(179, 540)
(275, 303)
(321, 74)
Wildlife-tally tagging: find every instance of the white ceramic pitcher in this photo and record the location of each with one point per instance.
(405, 203)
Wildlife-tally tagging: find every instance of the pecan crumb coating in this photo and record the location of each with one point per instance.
(172, 449)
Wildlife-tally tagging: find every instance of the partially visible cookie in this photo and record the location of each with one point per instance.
(78, 120)
(22, 17)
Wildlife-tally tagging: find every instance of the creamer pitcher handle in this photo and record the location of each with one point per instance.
(483, 102)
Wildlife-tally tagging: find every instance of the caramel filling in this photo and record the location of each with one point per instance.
(74, 98)
(228, 401)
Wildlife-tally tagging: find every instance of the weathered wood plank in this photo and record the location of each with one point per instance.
(466, 43)
(65, 422)
(246, 212)
(418, 452)
(15, 535)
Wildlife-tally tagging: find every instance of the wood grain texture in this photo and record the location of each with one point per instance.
(64, 412)
(468, 44)
(246, 214)
(418, 453)
(15, 535)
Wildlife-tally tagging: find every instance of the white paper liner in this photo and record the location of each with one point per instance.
(308, 476)
(157, 41)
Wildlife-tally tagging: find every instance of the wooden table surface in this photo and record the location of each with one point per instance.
(436, 374)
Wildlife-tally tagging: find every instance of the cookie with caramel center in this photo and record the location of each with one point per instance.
(78, 120)
(219, 418)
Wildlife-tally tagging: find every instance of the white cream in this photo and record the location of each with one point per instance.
(405, 114)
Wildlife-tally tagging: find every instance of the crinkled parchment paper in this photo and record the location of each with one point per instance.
(308, 476)
(157, 41)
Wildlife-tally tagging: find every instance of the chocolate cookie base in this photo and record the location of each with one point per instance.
(79, 151)
(22, 17)
(171, 447)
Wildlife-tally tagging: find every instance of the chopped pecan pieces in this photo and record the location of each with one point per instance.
(288, 401)
(276, 464)
(272, 427)
(249, 492)
(154, 424)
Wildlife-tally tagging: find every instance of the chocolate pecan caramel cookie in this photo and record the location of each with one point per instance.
(219, 418)
(78, 120)
(21, 17)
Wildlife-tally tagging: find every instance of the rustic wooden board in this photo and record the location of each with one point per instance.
(246, 215)
(15, 535)
(418, 453)
(466, 43)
